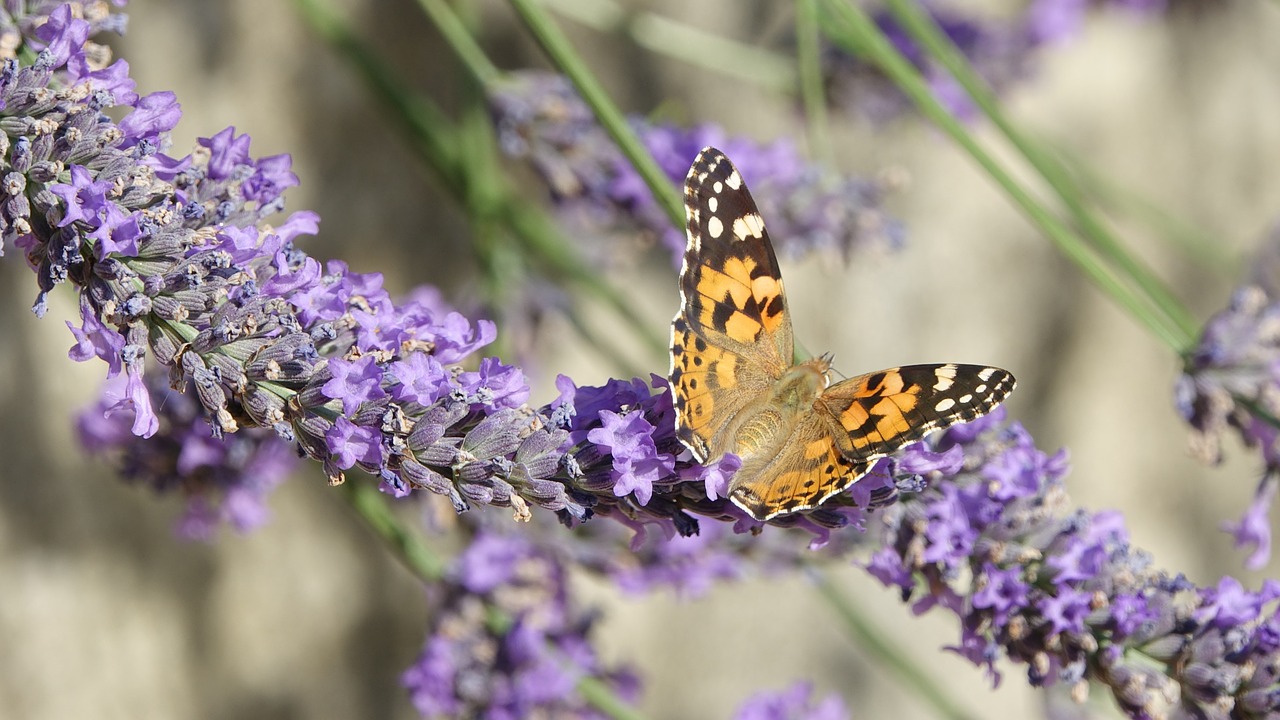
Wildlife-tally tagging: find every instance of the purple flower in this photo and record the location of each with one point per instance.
(64, 36)
(1229, 604)
(1065, 611)
(354, 382)
(691, 566)
(541, 119)
(152, 116)
(793, 703)
(637, 464)
(1232, 380)
(491, 561)
(351, 443)
(420, 378)
(529, 663)
(1003, 592)
(226, 152)
(494, 385)
(1254, 527)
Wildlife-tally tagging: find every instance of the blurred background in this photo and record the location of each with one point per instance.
(106, 614)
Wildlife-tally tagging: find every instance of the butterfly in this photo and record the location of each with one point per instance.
(801, 439)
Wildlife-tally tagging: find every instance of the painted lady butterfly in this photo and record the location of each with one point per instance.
(736, 390)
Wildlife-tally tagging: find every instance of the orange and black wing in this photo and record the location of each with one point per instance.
(879, 413)
(731, 339)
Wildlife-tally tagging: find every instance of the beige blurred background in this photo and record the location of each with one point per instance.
(104, 614)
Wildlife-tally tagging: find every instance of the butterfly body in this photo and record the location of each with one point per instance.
(736, 390)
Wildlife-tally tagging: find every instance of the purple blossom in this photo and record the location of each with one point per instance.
(528, 665)
(491, 561)
(226, 152)
(794, 703)
(494, 385)
(541, 119)
(1065, 611)
(152, 116)
(1003, 592)
(1229, 604)
(1232, 380)
(64, 36)
(420, 378)
(637, 464)
(349, 443)
(354, 382)
(691, 566)
(1253, 529)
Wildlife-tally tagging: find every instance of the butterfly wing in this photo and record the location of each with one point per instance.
(860, 420)
(879, 413)
(731, 339)
(811, 469)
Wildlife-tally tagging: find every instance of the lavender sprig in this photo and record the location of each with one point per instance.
(507, 640)
(541, 119)
(993, 541)
(1003, 50)
(1232, 379)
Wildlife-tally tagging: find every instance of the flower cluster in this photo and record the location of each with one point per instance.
(173, 259)
(226, 481)
(1065, 593)
(506, 641)
(541, 119)
(1001, 50)
(1232, 379)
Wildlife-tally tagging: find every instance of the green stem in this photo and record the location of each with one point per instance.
(925, 31)
(864, 634)
(372, 505)
(562, 54)
(683, 42)
(440, 142)
(600, 697)
(455, 33)
(809, 54)
(850, 26)
(1114, 197)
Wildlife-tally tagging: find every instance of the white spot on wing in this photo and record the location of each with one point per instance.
(713, 203)
(749, 225)
(734, 180)
(966, 399)
(944, 405)
(985, 374)
(714, 227)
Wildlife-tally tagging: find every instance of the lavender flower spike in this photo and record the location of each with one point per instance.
(1065, 593)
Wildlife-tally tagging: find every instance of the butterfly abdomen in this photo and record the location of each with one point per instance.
(764, 427)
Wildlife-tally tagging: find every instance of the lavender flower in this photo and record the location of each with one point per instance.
(999, 50)
(792, 704)
(1232, 379)
(226, 481)
(506, 641)
(1002, 50)
(1059, 20)
(540, 118)
(1067, 595)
